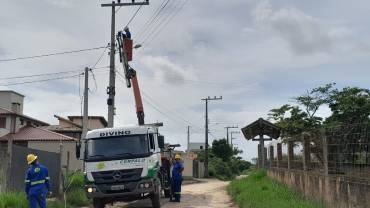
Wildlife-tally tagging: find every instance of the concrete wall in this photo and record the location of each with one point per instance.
(74, 163)
(188, 168)
(9, 97)
(3, 166)
(334, 191)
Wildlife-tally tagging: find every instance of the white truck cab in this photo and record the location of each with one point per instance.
(122, 164)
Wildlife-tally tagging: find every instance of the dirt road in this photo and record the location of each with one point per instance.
(210, 193)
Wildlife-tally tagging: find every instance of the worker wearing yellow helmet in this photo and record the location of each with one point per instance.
(37, 183)
(177, 178)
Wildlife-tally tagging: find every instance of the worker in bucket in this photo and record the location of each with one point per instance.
(177, 178)
(37, 183)
(125, 33)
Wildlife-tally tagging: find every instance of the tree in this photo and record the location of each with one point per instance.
(221, 149)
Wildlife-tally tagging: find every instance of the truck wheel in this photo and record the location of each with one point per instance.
(155, 197)
(98, 203)
(167, 193)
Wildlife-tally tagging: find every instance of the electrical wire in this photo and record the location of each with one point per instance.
(160, 27)
(52, 54)
(48, 74)
(42, 80)
(156, 16)
(134, 15)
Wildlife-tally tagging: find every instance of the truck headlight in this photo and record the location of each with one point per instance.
(146, 185)
(90, 190)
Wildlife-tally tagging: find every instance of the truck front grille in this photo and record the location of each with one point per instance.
(114, 176)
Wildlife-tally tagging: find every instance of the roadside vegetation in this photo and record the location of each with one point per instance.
(75, 195)
(224, 163)
(258, 191)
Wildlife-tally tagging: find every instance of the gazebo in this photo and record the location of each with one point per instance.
(261, 128)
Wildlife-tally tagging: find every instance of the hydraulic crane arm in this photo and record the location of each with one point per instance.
(131, 77)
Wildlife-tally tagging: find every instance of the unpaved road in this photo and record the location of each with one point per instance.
(208, 193)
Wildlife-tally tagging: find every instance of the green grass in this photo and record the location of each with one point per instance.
(12, 199)
(75, 193)
(258, 191)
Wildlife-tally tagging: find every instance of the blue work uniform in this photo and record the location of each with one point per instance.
(37, 185)
(177, 180)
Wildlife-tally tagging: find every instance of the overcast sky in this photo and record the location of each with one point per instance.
(256, 54)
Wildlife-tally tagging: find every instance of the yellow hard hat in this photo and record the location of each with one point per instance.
(31, 158)
(177, 156)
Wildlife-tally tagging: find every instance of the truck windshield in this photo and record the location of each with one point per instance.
(118, 147)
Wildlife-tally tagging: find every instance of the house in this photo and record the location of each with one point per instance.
(19, 129)
(196, 146)
(72, 125)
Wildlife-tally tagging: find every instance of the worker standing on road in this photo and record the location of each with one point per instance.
(177, 178)
(37, 183)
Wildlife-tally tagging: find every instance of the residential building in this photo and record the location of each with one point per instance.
(19, 129)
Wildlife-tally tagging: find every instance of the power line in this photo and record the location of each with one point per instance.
(162, 25)
(134, 15)
(48, 74)
(153, 19)
(40, 80)
(52, 54)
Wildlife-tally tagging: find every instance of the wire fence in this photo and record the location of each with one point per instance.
(342, 151)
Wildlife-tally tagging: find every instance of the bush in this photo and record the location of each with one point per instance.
(75, 193)
(12, 199)
(257, 190)
(77, 198)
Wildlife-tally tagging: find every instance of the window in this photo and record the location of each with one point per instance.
(201, 147)
(3, 122)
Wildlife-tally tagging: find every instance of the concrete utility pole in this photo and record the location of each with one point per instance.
(188, 141)
(231, 137)
(206, 134)
(227, 132)
(111, 91)
(86, 104)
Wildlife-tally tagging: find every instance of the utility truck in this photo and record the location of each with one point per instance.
(124, 164)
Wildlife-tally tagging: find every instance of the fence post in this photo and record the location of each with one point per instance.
(325, 154)
(306, 152)
(271, 156)
(279, 154)
(265, 158)
(259, 163)
(290, 154)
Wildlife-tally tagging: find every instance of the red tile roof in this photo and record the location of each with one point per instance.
(31, 133)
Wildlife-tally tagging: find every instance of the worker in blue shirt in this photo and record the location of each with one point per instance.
(177, 178)
(37, 183)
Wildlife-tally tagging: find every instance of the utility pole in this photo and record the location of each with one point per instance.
(86, 104)
(111, 89)
(231, 137)
(188, 140)
(227, 132)
(206, 134)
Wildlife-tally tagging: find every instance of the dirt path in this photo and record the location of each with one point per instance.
(210, 193)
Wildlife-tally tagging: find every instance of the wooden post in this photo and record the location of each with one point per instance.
(271, 156)
(306, 152)
(259, 156)
(265, 157)
(290, 154)
(279, 154)
(325, 154)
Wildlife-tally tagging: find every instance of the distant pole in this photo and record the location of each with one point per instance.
(227, 132)
(111, 89)
(231, 137)
(86, 105)
(206, 134)
(188, 140)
